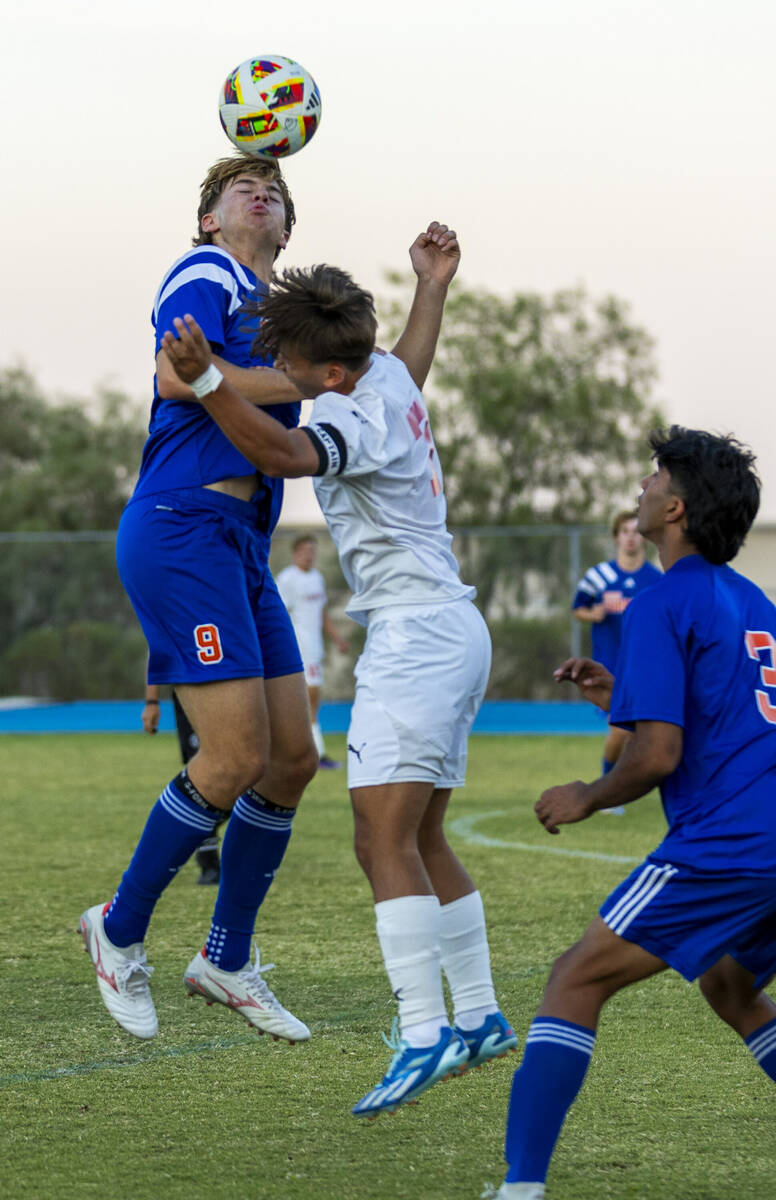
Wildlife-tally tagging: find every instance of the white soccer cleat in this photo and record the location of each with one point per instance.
(247, 993)
(122, 976)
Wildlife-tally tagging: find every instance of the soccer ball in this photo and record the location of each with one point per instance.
(270, 106)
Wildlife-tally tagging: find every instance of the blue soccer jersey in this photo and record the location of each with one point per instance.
(185, 447)
(609, 583)
(699, 651)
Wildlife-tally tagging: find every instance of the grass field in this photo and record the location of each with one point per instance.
(674, 1106)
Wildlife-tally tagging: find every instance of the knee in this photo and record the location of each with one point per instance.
(431, 841)
(241, 770)
(726, 999)
(303, 766)
(573, 973)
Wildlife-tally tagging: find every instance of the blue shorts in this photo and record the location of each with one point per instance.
(194, 565)
(692, 918)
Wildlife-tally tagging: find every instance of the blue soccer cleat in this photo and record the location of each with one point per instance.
(413, 1070)
(493, 1039)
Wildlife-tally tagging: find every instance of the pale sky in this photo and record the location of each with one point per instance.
(624, 144)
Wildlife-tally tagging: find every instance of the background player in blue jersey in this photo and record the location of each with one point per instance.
(602, 596)
(696, 683)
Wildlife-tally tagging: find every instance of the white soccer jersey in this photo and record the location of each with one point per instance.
(304, 595)
(379, 486)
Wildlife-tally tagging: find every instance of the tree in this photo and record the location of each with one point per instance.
(65, 468)
(540, 405)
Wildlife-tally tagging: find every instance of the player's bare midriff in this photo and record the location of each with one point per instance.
(241, 487)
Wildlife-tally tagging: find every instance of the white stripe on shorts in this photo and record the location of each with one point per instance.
(638, 896)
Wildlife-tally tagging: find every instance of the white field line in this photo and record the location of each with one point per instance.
(464, 827)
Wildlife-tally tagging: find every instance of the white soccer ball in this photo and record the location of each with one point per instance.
(269, 106)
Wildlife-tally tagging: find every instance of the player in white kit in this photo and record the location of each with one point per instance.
(303, 591)
(425, 664)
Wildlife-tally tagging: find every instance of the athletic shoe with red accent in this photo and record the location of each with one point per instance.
(247, 993)
(122, 976)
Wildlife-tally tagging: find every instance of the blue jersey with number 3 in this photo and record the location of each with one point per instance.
(699, 651)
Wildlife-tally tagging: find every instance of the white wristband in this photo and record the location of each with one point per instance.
(207, 382)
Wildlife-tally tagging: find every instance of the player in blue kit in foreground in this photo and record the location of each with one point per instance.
(426, 660)
(696, 683)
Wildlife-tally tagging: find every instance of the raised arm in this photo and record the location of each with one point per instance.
(435, 255)
(275, 450)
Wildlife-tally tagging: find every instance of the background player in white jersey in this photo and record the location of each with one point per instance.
(425, 665)
(602, 596)
(303, 591)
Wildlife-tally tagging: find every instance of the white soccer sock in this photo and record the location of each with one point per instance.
(463, 943)
(408, 932)
(318, 739)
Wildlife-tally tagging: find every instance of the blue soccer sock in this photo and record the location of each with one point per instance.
(762, 1043)
(253, 848)
(545, 1086)
(179, 821)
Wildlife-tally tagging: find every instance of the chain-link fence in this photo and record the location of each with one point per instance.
(71, 634)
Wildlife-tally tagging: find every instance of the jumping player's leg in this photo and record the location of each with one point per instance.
(463, 941)
(271, 784)
(293, 759)
(254, 845)
(733, 993)
(233, 745)
(228, 716)
(386, 823)
(207, 854)
(560, 1043)
(387, 820)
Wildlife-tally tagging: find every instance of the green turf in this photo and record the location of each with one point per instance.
(673, 1107)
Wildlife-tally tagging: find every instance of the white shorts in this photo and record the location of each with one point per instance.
(313, 674)
(419, 683)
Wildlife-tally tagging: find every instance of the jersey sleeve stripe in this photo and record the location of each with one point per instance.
(207, 271)
(587, 588)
